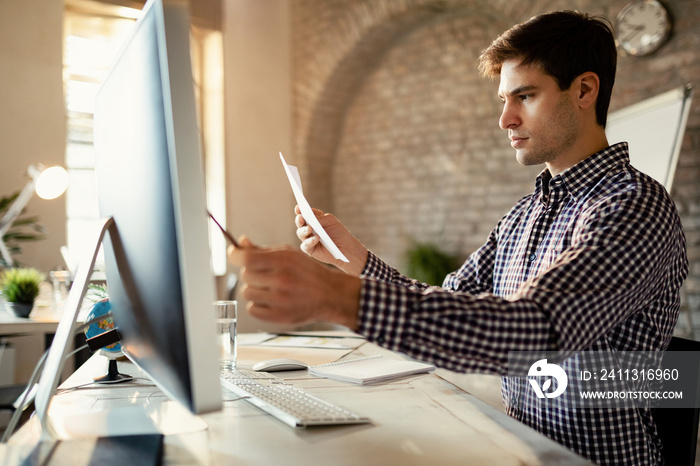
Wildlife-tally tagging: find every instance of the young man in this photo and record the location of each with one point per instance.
(592, 260)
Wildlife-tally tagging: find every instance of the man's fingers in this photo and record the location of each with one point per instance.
(246, 243)
(268, 304)
(259, 310)
(236, 255)
(304, 232)
(257, 292)
(264, 260)
(300, 221)
(309, 244)
(268, 314)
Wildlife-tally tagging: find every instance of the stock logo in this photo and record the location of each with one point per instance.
(542, 369)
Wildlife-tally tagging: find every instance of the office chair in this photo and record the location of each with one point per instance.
(678, 427)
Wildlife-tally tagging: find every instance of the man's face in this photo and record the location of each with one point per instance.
(541, 120)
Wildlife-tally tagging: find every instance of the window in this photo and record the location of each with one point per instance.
(92, 40)
(93, 34)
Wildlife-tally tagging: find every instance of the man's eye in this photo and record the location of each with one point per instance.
(525, 97)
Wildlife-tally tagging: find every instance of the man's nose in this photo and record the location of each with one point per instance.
(509, 118)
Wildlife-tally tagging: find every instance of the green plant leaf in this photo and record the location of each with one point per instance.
(427, 263)
(24, 228)
(20, 284)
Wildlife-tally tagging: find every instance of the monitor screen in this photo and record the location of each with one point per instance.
(150, 181)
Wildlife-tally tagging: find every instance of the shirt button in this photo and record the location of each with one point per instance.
(381, 340)
(532, 257)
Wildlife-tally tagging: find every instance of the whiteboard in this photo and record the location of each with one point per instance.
(654, 130)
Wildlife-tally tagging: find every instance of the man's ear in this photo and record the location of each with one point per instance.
(587, 86)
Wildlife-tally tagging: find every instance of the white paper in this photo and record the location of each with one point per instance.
(308, 213)
(252, 339)
(313, 342)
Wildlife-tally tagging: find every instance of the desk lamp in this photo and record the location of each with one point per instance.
(48, 183)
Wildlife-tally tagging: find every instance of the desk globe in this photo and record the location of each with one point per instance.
(112, 351)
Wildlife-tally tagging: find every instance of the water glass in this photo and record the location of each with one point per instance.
(226, 314)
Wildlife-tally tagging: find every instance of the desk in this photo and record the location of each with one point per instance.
(38, 322)
(420, 419)
(30, 337)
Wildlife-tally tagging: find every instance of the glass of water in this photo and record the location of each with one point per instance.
(226, 315)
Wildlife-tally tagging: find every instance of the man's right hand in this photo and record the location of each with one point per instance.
(355, 252)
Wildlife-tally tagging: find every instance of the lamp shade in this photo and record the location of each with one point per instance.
(47, 183)
(51, 182)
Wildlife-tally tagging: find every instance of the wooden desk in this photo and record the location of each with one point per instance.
(416, 420)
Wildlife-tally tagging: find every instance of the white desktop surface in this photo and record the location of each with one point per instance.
(420, 419)
(41, 320)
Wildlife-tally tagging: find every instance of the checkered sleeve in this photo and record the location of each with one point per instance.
(427, 321)
(433, 325)
(474, 276)
(618, 262)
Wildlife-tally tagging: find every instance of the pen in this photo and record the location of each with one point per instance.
(228, 235)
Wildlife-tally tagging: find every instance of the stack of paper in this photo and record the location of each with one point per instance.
(370, 369)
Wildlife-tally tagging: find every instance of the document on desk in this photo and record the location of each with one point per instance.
(308, 214)
(370, 369)
(314, 341)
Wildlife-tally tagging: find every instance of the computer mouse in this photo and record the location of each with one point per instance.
(273, 365)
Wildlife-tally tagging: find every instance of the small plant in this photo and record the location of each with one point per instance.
(96, 293)
(21, 285)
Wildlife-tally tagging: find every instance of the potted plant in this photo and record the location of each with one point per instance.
(20, 287)
(427, 263)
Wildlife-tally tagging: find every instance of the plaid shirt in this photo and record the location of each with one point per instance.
(593, 259)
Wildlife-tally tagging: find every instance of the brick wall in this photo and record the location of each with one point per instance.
(396, 133)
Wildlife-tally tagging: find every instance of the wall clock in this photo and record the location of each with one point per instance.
(642, 26)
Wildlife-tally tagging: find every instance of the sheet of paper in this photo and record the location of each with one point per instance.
(300, 341)
(308, 213)
(328, 333)
(248, 339)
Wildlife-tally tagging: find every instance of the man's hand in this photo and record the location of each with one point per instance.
(284, 286)
(355, 252)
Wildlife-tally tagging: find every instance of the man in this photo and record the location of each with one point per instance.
(592, 260)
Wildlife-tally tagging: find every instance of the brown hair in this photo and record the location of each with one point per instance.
(563, 44)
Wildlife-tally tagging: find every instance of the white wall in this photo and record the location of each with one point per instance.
(32, 121)
(257, 57)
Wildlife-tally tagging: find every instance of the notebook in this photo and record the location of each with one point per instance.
(370, 369)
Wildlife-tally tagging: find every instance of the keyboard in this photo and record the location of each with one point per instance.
(285, 402)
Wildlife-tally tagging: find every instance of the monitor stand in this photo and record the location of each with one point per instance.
(172, 417)
(66, 330)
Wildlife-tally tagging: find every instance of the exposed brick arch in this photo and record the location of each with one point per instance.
(326, 123)
(355, 37)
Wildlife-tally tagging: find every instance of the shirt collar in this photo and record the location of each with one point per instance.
(588, 171)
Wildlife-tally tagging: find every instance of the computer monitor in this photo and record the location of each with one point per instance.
(150, 180)
(151, 190)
